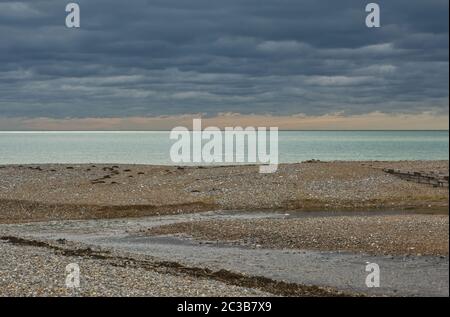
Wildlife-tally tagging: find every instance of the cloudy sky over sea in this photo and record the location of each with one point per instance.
(154, 64)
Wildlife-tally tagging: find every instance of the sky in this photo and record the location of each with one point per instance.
(155, 64)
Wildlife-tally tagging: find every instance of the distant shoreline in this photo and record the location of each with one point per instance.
(214, 165)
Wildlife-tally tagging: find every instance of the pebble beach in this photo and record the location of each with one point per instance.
(351, 207)
(54, 192)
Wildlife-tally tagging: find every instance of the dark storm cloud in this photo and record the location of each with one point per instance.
(163, 57)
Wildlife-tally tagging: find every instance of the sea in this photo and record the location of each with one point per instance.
(153, 147)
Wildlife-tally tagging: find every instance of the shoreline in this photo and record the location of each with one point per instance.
(220, 165)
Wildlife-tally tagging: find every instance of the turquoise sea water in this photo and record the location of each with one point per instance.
(153, 147)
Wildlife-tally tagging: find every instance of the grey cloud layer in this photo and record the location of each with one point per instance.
(164, 57)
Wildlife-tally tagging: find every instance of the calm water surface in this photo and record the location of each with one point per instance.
(153, 147)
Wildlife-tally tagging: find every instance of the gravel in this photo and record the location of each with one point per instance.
(388, 234)
(34, 271)
(51, 192)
